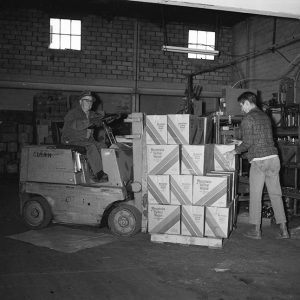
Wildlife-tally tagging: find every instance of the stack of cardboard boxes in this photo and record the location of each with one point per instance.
(13, 137)
(191, 186)
(49, 107)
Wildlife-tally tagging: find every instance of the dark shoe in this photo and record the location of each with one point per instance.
(253, 234)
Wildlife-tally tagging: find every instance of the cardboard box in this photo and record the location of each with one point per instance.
(233, 178)
(12, 147)
(158, 189)
(204, 132)
(210, 191)
(181, 129)
(181, 189)
(163, 159)
(192, 220)
(229, 182)
(218, 221)
(196, 159)
(220, 162)
(24, 138)
(3, 147)
(8, 137)
(164, 219)
(156, 130)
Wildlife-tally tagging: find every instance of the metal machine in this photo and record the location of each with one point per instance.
(55, 186)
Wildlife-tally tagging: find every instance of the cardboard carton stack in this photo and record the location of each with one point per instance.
(191, 187)
(13, 137)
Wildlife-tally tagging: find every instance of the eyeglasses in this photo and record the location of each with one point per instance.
(87, 100)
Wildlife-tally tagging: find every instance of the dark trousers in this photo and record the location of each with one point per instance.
(93, 151)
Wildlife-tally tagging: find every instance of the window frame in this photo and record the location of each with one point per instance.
(65, 37)
(200, 43)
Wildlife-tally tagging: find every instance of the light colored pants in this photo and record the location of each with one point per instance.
(265, 172)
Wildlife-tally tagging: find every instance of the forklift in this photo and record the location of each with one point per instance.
(56, 186)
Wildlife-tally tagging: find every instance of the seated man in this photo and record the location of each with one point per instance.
(78, 130)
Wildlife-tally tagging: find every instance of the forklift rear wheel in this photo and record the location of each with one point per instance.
(125, 220)
(37, 213)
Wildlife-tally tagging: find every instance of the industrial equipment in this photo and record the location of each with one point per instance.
(55, 185)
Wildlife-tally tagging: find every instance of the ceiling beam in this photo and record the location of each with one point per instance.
(278, 8)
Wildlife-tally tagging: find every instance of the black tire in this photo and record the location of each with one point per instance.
(37, 213)
(125, 220)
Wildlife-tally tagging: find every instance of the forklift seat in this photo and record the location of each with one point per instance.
(56, 128)
(76, 148)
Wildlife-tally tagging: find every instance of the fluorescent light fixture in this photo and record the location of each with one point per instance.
(189, 50)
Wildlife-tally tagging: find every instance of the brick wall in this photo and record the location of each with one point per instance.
(108, 52)
(256, 34)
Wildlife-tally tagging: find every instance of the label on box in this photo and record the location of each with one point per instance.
(163, 159)
(217, 221)
(158, 189)
(192, 220)
(164, 219)
(181, 128)
(181, 189)
(192, 160)
(220, 162)
(210, 191)
(156, 129)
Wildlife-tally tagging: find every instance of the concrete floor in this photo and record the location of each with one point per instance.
(136, 268)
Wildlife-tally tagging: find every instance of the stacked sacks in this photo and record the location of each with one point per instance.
(180, 193)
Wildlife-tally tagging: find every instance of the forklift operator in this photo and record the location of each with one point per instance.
(78, 130)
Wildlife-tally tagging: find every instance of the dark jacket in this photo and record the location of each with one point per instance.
(76, 125)
(257, 135)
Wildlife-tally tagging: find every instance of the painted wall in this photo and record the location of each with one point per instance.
(264, 72)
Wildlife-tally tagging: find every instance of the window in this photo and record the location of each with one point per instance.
(201, 40)
(65, 34)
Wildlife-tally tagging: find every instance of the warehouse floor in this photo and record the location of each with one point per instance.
(136, 268)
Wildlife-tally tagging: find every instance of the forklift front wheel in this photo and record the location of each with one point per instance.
(125, 220)
(37, 213)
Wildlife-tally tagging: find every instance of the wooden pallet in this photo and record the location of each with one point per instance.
(188, 240)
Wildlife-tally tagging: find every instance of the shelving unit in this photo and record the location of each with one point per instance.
(287, 132)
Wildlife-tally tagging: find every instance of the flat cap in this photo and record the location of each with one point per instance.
(86, 94)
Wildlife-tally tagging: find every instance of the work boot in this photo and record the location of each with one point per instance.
(254, 233)
(283, 231)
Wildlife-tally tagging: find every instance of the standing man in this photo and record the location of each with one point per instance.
(257, 141)
(78, 130)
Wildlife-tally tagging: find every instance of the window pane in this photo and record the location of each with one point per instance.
(76, 27)
(54, 25)
(211, 39)
(192, 55)
(65, 26)
(65, 42)
(202, 37)
(54, 41)
(192, 37)
(201, 46)
(209, 57)
(76, 42)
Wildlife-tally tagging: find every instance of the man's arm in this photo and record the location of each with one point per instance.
(247, 139)
(247, 135)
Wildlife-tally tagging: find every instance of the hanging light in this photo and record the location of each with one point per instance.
(189, 50)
